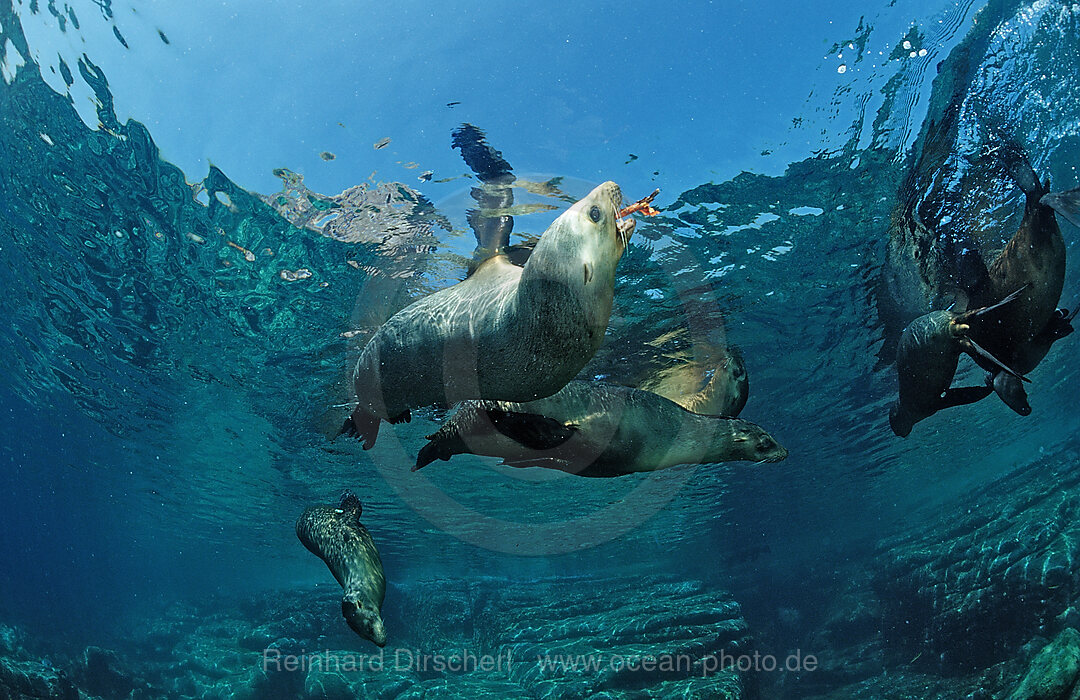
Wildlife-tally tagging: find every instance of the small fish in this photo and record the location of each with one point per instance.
(425, 176)
(381, 143)
(452, 104)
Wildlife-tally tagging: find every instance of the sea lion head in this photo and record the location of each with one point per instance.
(582, 247)
(729, 386)
(753, 444)
(364, 619)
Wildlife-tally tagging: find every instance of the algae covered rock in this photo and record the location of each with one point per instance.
(1054, 672)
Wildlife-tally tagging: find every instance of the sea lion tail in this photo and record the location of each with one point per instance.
(1065, 203)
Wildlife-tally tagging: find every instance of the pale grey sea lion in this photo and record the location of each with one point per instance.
(335, 535)
(716, 386)
(505, 333)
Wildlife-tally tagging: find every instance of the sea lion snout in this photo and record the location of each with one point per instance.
(758, 445)
(364, 621)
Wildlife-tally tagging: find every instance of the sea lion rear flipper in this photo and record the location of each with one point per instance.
(442, 444)
(974, 313)
(1011, 391)
(492, 232)
(1065, 203)
(1058, 327)
(1005, 149)
(363, 426)
(900, 420)
(533, 431)
(961, 396)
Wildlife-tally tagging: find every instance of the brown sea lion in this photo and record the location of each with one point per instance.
(597, 429)
(715, 386)
(926, 360)
(1020, 334)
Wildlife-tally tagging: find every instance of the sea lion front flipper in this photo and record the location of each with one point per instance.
(1011, 391)
(962, 396)
(542, 462)
(974, 313)
(971, 346)
(533, 431)
(1065, 203)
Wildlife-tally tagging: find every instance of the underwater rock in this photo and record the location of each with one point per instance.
(101, 672)
(11, 640)
(1054, 674)
(999, 568)
(34, 679)
(227, 648)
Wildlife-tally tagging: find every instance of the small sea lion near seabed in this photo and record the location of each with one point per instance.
(334, 534)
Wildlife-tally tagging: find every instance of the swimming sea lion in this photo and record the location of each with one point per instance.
(597, 429)
(505, 333)
(335, 535)
(689, 384)
(1021, 333)
(926, 360)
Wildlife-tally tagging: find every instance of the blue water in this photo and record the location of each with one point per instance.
(179, 347)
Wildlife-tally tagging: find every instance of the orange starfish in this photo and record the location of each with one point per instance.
(641, 206)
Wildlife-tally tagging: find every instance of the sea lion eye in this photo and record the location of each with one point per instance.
(594, 214)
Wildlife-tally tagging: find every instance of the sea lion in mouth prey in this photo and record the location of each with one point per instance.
(926, 360)
(1020, 333)
(335, 535)
(505, 333)
(597, 429)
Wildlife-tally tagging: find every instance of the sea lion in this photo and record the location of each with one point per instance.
(505, 333)
(690, 385)
(1034, 258)
(335, 535)
(599, 430)
(926, 360)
